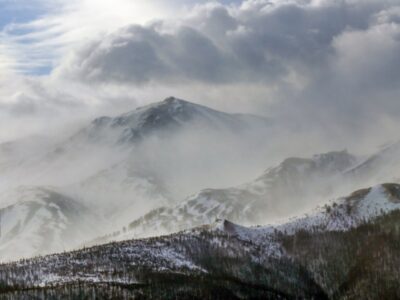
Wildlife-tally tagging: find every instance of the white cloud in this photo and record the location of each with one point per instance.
(325, 65)
(258, 41)
(370, 57)
(40, 43)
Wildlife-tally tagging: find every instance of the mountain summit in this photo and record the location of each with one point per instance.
(166, 117)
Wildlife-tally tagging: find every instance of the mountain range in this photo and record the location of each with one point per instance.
(105, 162)
(305, 180)
(157, 194)
(333, 253)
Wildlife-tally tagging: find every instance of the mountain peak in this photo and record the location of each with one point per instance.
(174, 100)
(170, 102)
(325, 163)
(165, 117)
(365, 205)
(172, 105)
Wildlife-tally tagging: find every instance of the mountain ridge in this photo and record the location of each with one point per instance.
(272, 262)
(170, 114)
(41, 220)
(251, 203)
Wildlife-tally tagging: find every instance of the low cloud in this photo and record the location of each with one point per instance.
(326, 68)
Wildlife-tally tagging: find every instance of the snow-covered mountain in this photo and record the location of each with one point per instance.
(307, 258)
(342, 214)
(108, 172)
(164, 118)
(294, 185)
(107, 141)
(41, 221)
(107, 168)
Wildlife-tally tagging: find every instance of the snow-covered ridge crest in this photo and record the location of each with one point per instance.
(360, 207)
(295, 179)
(162, 117)
(275, 248)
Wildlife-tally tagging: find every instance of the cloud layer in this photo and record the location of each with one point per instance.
(258, 41)
(321, 65)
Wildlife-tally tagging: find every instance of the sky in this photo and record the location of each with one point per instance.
(50, 26)
(326, 68)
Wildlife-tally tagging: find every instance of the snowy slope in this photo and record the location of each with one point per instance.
(202, 253)
(360, 207)
(297, 183)
(117, 183)
(41, 221)
(163, 118)
(275, 258)
(107, 141)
